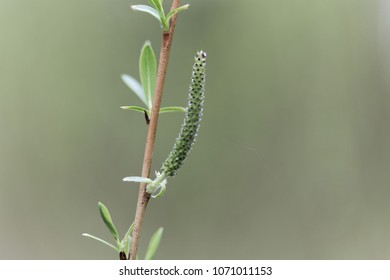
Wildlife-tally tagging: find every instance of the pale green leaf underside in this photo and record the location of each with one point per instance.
(153, 244)
(172, 109)
(135, 108)
(135, 86)
(162, 110)
(147, 9)
(101, 240)
(137, 179)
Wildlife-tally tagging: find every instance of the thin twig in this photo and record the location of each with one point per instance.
(143, 196)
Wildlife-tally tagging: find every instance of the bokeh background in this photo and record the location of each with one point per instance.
(292, 160)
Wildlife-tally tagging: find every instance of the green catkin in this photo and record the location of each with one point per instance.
(192, 119)
(188, 130)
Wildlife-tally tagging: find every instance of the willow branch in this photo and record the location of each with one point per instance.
(143, 196)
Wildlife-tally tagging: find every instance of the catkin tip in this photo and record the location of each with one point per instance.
(201, 55)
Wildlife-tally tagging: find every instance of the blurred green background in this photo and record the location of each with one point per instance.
(292, 160)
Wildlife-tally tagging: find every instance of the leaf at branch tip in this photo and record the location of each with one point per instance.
(148, 72)
(135, 86)
(147, 9)
(154, 243)
(101, 240)
(175, 11)
(137, 179)
(135, 108)
(157, 4)
(173, 109)
(105, 214)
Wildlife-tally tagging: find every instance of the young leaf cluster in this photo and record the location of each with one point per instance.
(123, 246)
(145, 89)
(157, 11)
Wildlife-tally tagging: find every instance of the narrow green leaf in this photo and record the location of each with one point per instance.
(126, 241)
(135, 86)
(148, 72)
(130, 230)
(137, 179)
(127, 245)
(105, 214)
(135, 108)
(101, 240)
(173, 109)
(174, 11)
(153, 244)
(147, 9)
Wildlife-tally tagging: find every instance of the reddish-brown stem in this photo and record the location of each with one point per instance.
(143, 196)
